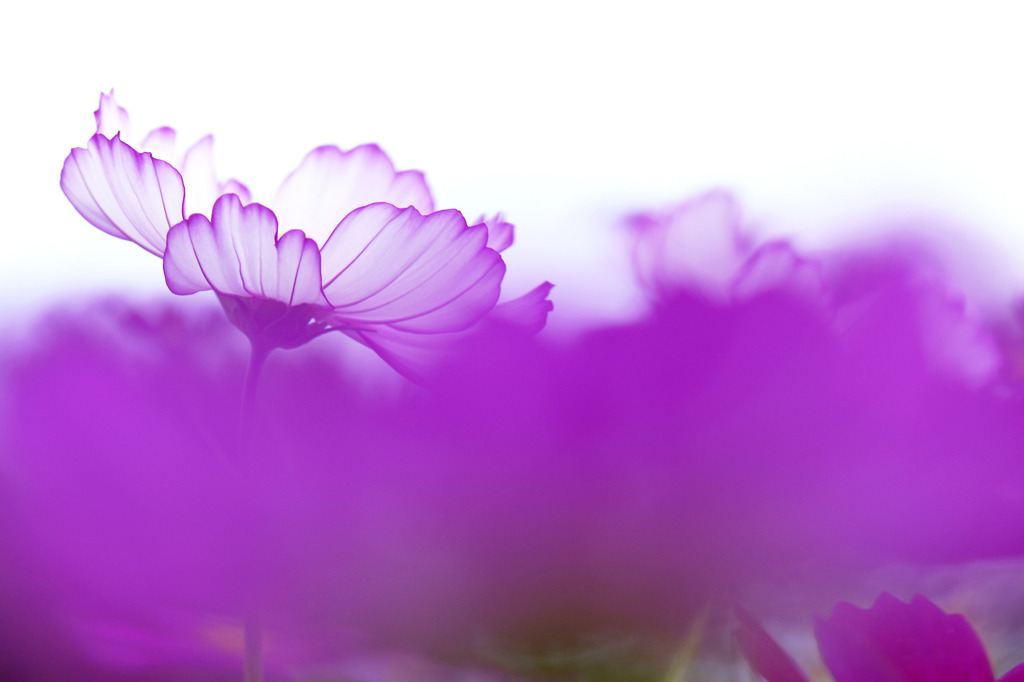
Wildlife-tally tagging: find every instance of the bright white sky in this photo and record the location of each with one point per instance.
(564, 115)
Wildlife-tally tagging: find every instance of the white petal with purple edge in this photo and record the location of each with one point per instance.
(160, 142)
(422, 273)
(330, 183)
(126, 194)
(239, 254)
(233, 186)
(201, 178)
(112, 119)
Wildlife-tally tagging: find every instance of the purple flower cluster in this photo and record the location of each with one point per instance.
(770, 408)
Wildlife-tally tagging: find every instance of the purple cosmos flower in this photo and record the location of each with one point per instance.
(892, 641)
(357, 262)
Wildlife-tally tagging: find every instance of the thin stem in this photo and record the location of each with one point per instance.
(257, 355)
(252, 632)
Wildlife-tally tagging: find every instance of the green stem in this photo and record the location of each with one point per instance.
(252, 632)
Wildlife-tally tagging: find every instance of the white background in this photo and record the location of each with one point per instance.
(565, 115)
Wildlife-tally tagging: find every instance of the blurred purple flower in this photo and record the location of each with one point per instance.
(386, 276)
(892, 641)
(610, 481)
(703, 248)
(699, 245)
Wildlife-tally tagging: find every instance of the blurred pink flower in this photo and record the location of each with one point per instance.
(387, 276)
(892, 641)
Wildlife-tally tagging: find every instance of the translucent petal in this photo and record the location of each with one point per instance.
(112, 119)
(424, 273)
(413, 354)
(201, 179)
(160, 142)
(330, 183)
(529, 312)
(500, 233)
(126, 194)
(237, 253)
